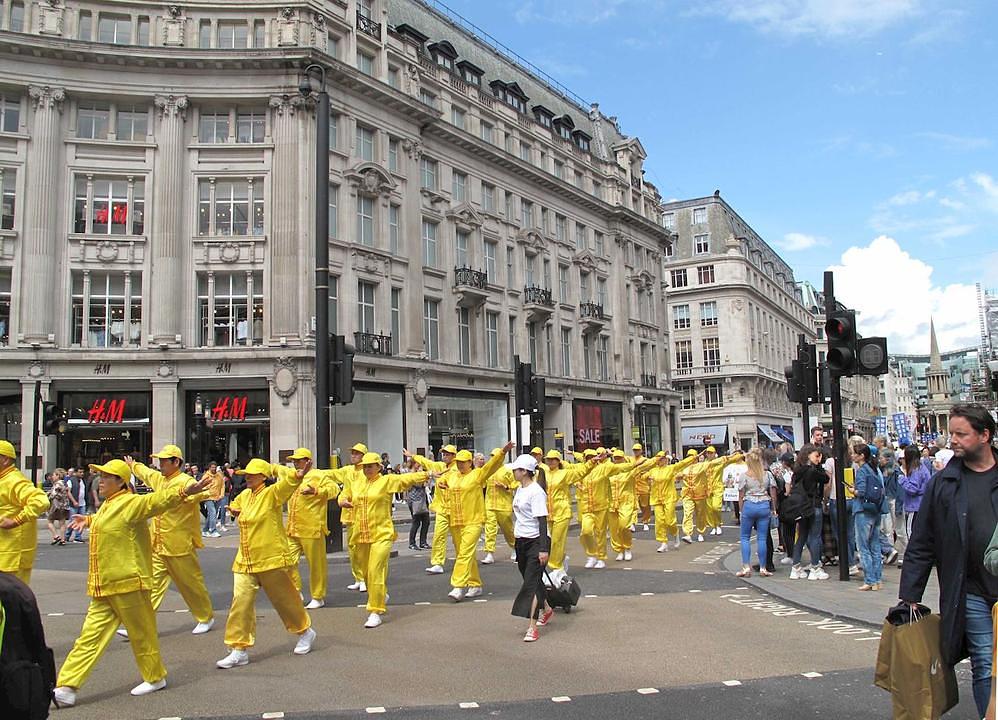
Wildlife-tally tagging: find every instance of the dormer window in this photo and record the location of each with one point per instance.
(443, 54)
(510, 94)
(470, 73)
(564, 127)
(544, 116)
(413, 35)
(581, 140)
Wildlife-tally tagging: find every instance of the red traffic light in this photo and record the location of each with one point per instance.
(838, 328)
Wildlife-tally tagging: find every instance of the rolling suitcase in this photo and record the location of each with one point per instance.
(563, 595)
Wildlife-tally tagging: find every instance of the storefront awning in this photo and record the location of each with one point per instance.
(787, 433)
(704, 435)
(768, 432)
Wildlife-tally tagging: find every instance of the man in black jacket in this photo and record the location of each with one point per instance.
(964, 497)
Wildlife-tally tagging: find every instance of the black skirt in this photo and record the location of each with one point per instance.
(530, 600)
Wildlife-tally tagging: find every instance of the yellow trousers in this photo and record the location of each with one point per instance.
(691, 508)
(465, 572)
(240, 628)
(496, 520)
(373, 558)
(714, 503)
(559, 538)
(356, 566)
(593, 534)
(314, 551)
(643, 503)
(621, 537)
(665, 522)
(185, 571)
(133, 610)
(438, 550)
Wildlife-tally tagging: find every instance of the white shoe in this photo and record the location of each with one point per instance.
(121, 632)
(215, 534)
(373, 620)
(435, 570)
(590, 562)
(645, 526)
(64, 696)
(315, 604)
(664, 547)
(599, 565)
(620, 556)
(718, 531)
(222, 528)
(457, 594)
(854, 571)
(796, 573)
(699, 538)
(354, 585)
(304, 644)
(145, 688)
(687, 539)
(204, 533)
(817, 573)
(787, 561)
(627, 555)
(233, 659)
(631, 528)
(363, 587)
(473, 592)
(676, 544)
(512, 556)
(488, 559)
(202, 628)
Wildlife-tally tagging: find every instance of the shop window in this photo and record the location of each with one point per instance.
(4, 306)
(230, 207)
(230, 308)
(431, 328)
(92, 121)
(131, 123)
(10, 113)
(107, 309)
(8, 199)
(115, 29)
(233, 35)
(109, 206)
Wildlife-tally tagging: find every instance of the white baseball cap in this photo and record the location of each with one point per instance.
(524, 462)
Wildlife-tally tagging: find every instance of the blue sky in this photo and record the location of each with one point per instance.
(853, 134)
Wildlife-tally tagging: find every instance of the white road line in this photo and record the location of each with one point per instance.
(708, 573)
(272, 716)
(669, 571)
(696, 591)
(55, 614)
(423, 603)
(561, 698)
(170, 718)
(732, 683)
(647, 594)
(185, 610)
(811, 675)
(467, 705)
(743, 587)
(628, 568)
(592, 596)
(375, 710)
(481, 600)
(647, 691)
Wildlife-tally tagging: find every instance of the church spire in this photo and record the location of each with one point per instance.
(935, 360)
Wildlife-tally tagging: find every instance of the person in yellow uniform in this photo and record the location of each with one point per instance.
(370, 497)
(696, 493)
(343, 476)
(264, 560)
(715, 486)
(176, 537)
(560, 477)
(440, 506)
(499, 491)
(307, 527)
(119, 581)
(21, 503)
(464, 485)
(642, 487)
(662, 479)
(593, 495)
(622, 511)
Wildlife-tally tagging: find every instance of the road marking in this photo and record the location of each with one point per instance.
(811, 675)
(647, 691)
(732, 683)
(272, 716)
(711, 556)
(592, 596)
(423, 603)
(708, 572)
(467, 705)
(481, 600)
(669, 571)
(185, 610)
(170, 718)
(696, 591)
(56, 614)
(375, 710)
(561, 698)
(743, 587)
(363, 605)
(647, 594)
(628, 568)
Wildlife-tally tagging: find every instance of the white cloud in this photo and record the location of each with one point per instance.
(910, 197)
(796, 242)
(895, 297)
(954, 143)
(821, 18)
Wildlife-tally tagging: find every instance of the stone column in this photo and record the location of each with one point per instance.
(41, 254)
(284, 241)
(411, 246)
(167, 242)
(166, 416)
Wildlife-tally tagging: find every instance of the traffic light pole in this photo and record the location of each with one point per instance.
(805, 408)
(838, 447)
(34, 433)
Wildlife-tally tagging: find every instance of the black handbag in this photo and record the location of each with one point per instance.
(565, 594)
(796, 506)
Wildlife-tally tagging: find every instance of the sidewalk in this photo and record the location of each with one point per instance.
(832, 597)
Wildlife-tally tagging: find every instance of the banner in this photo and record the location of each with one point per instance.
(880, 425)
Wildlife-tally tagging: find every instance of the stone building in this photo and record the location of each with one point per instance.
(156, 243)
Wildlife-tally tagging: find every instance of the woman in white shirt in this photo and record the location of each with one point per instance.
(530, 511)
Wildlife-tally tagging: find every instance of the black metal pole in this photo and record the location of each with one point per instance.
(804, 405)
(34, 433)
(322, 276)
(518, 402)
(838, 447)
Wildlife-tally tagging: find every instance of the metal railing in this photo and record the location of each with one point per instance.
(534, 295)
(465, 276)
(591, 310)
(649, 380)
(372, 344)
(368, 26)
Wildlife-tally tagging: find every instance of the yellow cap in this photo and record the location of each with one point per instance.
(637, 446)
(449, 449)
(360, 447)
(600, 450)
(589, 453)
(370, 458)
(169, 451)
(553, 455)
(464, 456)
(536, 451)
(7, 449)
(256, 466)
(619, 453)
(710, 448)
(660, 454)
(691, 452)
(115, 467)
(301, 454)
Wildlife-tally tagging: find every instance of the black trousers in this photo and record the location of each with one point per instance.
(420, 524)
(530, 600)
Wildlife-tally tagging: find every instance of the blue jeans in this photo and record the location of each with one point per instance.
(82, 510)
(849, 553)
(755, 515)
(222, 503)
(211, 515)
(809, 533)
(868, 542)
(979, 642)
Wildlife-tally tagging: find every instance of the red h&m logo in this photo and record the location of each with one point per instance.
(229, 407)
(105, 411)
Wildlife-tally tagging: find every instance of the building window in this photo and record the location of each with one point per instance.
(491, 273)
(563, 283)
(488, 198)
(560, 228)
(529, 269)
(820, 330)
(701, 244)
(334, 131)
(334, 196)
(394, 77)
(679, 278)
(204, 34)
(131, 123)
(525, 151)
(705, 274)
(213, 127)
(566, 352)
(427, 98)
(602, 297)
(365, 307)
(429, 243)
(109, 206)
(230, 207)
(365, 220)
(8, 176)
(116, 29)
(603, 358)
(461, 250)
(428, 173)
(334, 305)
(597, 190)
(486, 131)
(84, 30)
(107, 307)
(10, 113)
(684, 355)
(689, 397)
(584, 295)
(457, 116)
(393, 154)
(260, 34)
(600, 243)
(365, 63)
(587, 357)
(526, 214)
(231, 308)
(699, 215)
(711, 353)
(142, 33)
(509, 205)
(394, 231)
(250, 127)
(713, 395)
(492, 339)
(233, 35)
(669, 221)
(396, 318)
(559, 169)
(365, 143)
(459, 184)
(532, 343)
(669, 249)
(680, 317)
(549, 349)
(464, 336)
(5, 274)
(581, 239)
(708, 314)
(92, 121)
(431, 322)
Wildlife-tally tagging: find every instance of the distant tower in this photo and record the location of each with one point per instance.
(937, 408)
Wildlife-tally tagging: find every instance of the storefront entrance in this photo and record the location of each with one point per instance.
(229, 426)
(104, 425)
(649, 422)
(10, 419)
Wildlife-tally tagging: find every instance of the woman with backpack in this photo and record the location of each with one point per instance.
(757, 503)
(867, 506)
(804, 505)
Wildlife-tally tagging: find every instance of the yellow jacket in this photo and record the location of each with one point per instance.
(663, 481)
(716, 481)
(372, 504)
(120, 544)
(307, 513)
(178, 531)
(217, 487)
(263, 542)
(342, 477)
(441, 500)
(641, 483)
(496, 498)
(558, 482)
(594, 491)
(467, 504)
(622, 485)
(23, 503)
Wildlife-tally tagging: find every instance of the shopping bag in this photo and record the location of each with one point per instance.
(911, 668)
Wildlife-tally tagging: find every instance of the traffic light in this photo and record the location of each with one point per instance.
(536, 404)
(523, 389)
(340, 370)
(795, 381)
(871, 356)
(841, 332)
(808, 356)
(53, 419)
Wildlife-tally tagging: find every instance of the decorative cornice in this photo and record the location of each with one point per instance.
(172, 106)
(46, 97)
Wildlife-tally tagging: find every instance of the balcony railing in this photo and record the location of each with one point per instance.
(712, 368)
(635, 182)
(372, 344)
(465, 276)
(367, 25)
(534, 295)
(591, 310)
(649, 380)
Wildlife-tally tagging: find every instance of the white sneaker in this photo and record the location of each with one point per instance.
(373, 620)
(204, 533)
(664, 547)
(796, 573)
(817, 573)
(363, 587)
(717, 531)
(699, 538)
(473, 592)
(435, 570)
(646, 526)
(488, 559)
(631, 528)
(512, 556)
(202, 628)
(64, 696)
(627, 555)
(688, 539)
(315, 604)
(233, 659)
(121, 632)
(354, 585)
(215, 534)
(590, 562)
(787, 561)
(304, 644)
(222, 528)
(457, 594)
(854, 570)
(676, 544)
(599, 565)
(620, 556)
(145, 688)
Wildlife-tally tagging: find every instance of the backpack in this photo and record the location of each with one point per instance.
(798, 505)
(875, 489)
(27, 666)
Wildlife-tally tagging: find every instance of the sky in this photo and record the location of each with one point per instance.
(859, 136)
